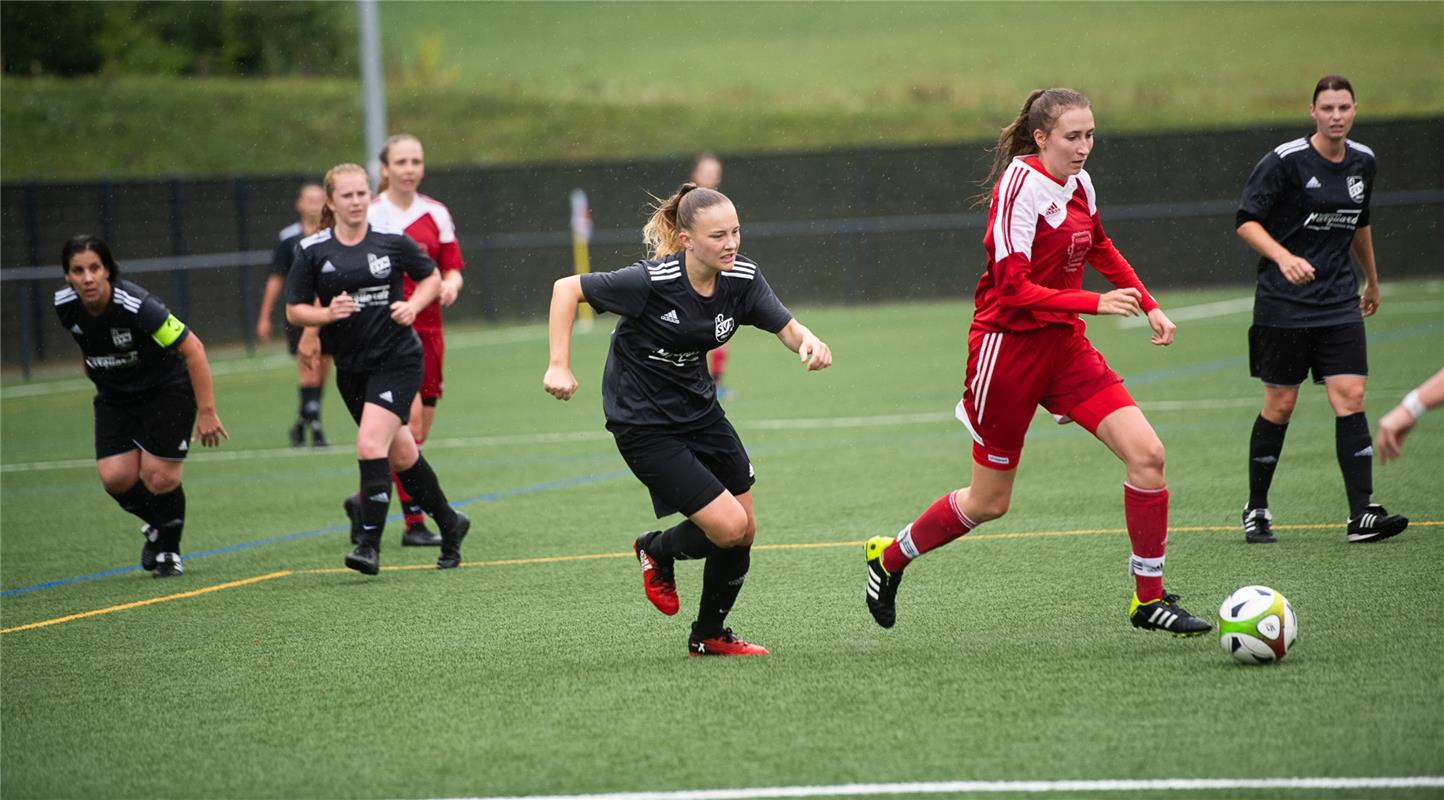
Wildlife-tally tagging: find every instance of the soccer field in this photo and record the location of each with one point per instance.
(539, 667)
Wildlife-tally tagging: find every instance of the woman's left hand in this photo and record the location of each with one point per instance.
(1369, 301)
(209, 428)
(1162, 326)
(403, 313)
(814, 353)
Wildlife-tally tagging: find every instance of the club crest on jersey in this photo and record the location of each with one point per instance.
(1078, 250)
(1356, 188)
(380, 267)
(725, 326)
(122, 337)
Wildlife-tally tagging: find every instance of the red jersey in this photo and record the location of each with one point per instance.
(429, 224)
(1040, 231)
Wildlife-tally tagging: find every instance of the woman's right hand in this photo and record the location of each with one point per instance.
(560, 382)
(342, 306)
(1297, 271)
(1120, 302)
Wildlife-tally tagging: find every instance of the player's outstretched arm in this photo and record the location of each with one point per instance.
(559, 382)
(208, 423)
(1395, 425)
(814, 352)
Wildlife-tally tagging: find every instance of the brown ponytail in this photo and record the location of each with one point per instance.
(385, 156)
(328, 217)
(676, 214)
(1039, 112)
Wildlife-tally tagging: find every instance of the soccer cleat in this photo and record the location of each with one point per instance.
(352, 506)
(167, 565)
(298, 434)
(418, 536)
(1165, 614)
(1374, 524)
(318, 436)
(365, 559)
(658, 581)
(722, 644)
(451, 542)
(881, 584)
(1258, 526)
(150, 549)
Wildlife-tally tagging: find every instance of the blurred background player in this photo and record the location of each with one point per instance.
(1396, 424)
(659, 402)
(399, 205)
(152, 384)
(1026, 348)
(311, 372)
(707, 174)
(354, 269)
(1304, 209)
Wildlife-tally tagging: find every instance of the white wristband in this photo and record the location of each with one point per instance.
(1413, 404)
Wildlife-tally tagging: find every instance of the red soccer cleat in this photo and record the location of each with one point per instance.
(723, 644)
(659, 583)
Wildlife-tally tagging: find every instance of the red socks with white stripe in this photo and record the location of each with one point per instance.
(942, 522)
(1146, 513)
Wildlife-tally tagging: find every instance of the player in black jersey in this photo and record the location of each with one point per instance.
(661, 405)
(152, 384)
(312, 370)
(1304, 209)
(354, 269)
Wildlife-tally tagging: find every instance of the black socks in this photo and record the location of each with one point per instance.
(1355, 449)
(310, 410)
(420, 482)
(1264, 447)
(682, 542)
(165, 512)
(375, 498)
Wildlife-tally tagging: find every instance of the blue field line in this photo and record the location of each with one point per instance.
(535, 488)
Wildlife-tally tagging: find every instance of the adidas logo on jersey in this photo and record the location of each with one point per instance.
(671, 316)
(328, 266)
(1052, 209)
(1313, 183)
(386, 395)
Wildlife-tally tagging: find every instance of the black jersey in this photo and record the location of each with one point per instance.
(130, 347)
(1311, 206)
(285, 252)
(656, 373)
(370, 271)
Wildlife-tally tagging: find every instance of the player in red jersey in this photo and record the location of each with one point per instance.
(399, 205)
(1026, 348)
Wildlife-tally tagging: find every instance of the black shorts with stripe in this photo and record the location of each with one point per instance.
(158, 422)
(684, 470)
(1286, 356)
(392, 387)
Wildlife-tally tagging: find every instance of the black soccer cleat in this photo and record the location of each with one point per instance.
(318, 436)
(1374, 524)
(150, 549)
(451, 542)
(365, 559)
(352, 506)
(418, 536)
(298, 434)
(1165, 614)
(881, 584)
(168, 565)
(1258, 526)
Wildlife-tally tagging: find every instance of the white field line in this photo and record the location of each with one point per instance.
(1008, 787)
(571, 437)
(1238, 305)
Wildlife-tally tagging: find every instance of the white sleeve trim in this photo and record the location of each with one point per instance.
(1017, 217)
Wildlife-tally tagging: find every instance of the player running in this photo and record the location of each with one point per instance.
(660, 403)
(1026, 348)
(152, 384)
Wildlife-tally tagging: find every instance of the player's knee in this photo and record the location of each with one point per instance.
(734, 530)
(116, 481)
(1348, 399)
(160, 481)
(982, 507)
(1147, 458)
(1279, 410)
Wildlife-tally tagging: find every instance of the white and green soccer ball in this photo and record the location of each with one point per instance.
(1256, 625)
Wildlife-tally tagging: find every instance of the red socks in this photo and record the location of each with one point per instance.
(942, 522)
(1146, 512)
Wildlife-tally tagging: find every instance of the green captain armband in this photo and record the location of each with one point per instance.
(169, 331)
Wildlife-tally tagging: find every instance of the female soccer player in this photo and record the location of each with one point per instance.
(312, 372)
(1304, 209)
(659, 401)
(152, 384)
(355, 269)
(1026, 348)
(399, 205)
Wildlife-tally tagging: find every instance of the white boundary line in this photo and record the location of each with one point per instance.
(1220, 308)
(1008, 787)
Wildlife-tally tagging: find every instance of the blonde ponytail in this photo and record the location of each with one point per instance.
(662, 232)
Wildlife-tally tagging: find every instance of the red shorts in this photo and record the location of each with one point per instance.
(433, 346)
(1011, 374)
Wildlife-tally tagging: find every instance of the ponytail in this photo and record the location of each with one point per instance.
(1039, 112)
(662, 232)
(328, 217)
(385, 156)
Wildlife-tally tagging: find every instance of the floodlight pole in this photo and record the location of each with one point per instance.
(373, 85)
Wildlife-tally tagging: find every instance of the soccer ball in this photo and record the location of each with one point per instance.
(1256, 625)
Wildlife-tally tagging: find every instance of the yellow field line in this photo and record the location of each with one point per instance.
(152, 601)
(509, 562)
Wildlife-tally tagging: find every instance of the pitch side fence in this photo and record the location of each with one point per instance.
(840, 226)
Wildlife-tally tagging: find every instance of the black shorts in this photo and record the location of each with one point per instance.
(1285, 356)
(159, 423)
(393, 388)
(685, 470)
